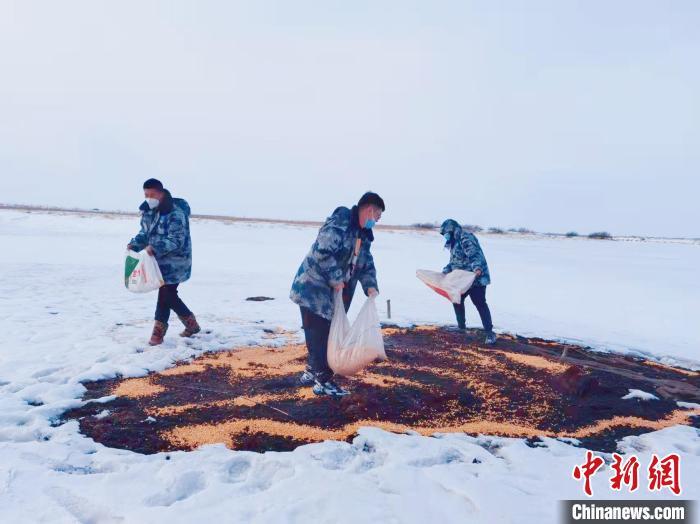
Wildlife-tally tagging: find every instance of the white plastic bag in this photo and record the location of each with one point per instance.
(141, 272)
(450, 285)
(353, 348)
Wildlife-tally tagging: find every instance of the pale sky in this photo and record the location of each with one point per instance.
(555, 115)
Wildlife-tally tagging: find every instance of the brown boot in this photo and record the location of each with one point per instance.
(159, 329)
(191, 326)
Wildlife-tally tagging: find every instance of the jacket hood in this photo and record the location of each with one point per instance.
(450, 225)
(182, 204)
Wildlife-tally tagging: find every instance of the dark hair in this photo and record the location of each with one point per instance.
(370, 198)
(152, 183)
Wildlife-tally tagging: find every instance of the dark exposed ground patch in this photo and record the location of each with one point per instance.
(436, 380)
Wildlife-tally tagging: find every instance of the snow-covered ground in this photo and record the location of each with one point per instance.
(65, 317)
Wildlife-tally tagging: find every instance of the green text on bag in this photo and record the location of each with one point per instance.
(129, 267)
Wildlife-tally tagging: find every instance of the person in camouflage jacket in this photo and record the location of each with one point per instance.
(466, 254)
(339, 259)
(165, 234)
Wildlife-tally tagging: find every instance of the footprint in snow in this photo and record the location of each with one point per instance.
(265, 473)
(83, 510)
(446, 457)
(44, 372)
(237, 469)
(336, 458)
(183, 487)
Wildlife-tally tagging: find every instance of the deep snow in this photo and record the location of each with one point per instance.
(66, 317)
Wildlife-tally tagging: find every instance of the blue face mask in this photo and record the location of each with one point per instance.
(448, 239)
(369, 224)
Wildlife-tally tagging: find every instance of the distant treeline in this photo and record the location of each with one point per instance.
(473, 228)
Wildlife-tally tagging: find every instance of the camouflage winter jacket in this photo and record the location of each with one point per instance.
(466, 253)
(329, 263)
(167, 229)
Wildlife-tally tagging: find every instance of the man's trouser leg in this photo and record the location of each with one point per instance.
(316, 329)
(460, 313)
(169, 299)
(178, 306)
(478, 296)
